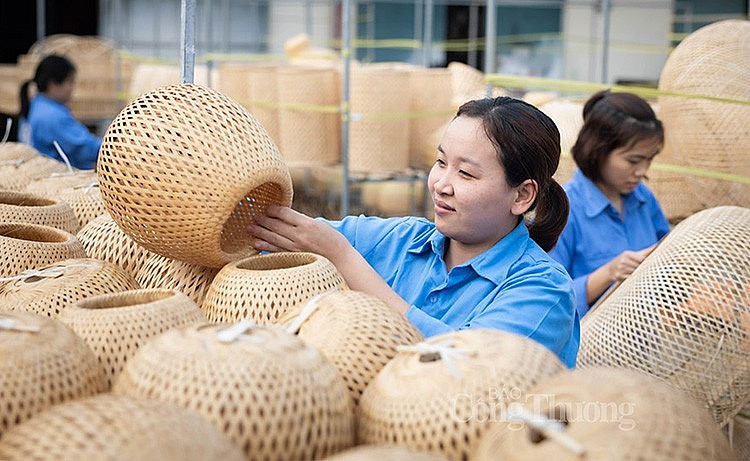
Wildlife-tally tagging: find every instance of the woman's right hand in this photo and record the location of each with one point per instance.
(623, 265)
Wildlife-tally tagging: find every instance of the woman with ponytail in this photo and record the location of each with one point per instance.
(615, 220)
(46, 118)
(483, 262)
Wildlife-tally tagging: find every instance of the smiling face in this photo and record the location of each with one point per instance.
(626, 167)
(474, 204)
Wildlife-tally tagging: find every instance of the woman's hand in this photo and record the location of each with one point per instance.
(623, 265)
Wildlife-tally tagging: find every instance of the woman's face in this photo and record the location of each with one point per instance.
(62, 92)
(627, 166)
(474, 204)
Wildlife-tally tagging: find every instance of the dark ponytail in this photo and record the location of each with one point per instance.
(528, 147)
(24, 97)
(53, 68)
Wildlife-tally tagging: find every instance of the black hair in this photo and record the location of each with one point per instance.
(52, 68)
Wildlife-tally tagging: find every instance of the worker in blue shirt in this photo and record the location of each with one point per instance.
(615, 220)
(480, 264)
(47, 118)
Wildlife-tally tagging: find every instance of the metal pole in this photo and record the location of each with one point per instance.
(209, 41)
(346, 43)
(473, 33)
(187, 41)
(490, 42)
(427, 40)
(41, 22)
(606, 8)
(418, 27)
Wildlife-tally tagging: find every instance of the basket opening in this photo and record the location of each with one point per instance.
(430, 357)
(558, 413)
(235, 237)
(125, 299)
(28, 200)
(33, 233)
(275, 261)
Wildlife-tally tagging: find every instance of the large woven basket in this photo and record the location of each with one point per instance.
(704, 132)
(261, 288)
(103, 239)
(116, 325)
(29, 246)
(684, 314)
(207, 169)
(441, 395)
(357, 332)
(432, 108)
(190, 279)
(43, 363)
(109, 427)
(18, 174)
(24, 207)
(568, 116)
(268, 391)
(604, 413)
(383, 453)
(51, 289)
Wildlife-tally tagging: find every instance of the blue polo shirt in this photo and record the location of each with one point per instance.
(514, 286)
(51, 121)
(596, 233)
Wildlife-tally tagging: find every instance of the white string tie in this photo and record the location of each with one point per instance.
(62, 154)
(52, 271)
(11, 324)
(8, 124)
(445, 350)
(550, 428)
(238, 332)
(305, 313)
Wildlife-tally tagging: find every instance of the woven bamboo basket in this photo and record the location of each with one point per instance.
(684, 314)
(29, 246)
(209, 167)
(103, 239)
(468, 83)
(148, 77)
(605, 413)
(568, 116)
(380, 101)
(261, 288)
(269, 392)
(704, 133)
(10, 82)
(86, 202)
(440, 395)
(309, 131)
(53, 185)
(117, 427)
(432, 107)
(43, 363)
(356, 332)
(24, 207)
(18, 174)
(11, 152)
(190, 279)
(51, 289)
(116, 325)
(383, 453)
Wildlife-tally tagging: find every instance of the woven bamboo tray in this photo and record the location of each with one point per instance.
(43, 363)
(103, 239)
(261, 288)
(51, 289)
(190, 279)
(268, 391)
(18, 174)
(703, 133)
(116, 325)
(383, 453)
(116, 427)
(356, 332)
(684, 314)
(28, 246)
(606, 413)
(191, 191)
(441, 395)
(24, 207)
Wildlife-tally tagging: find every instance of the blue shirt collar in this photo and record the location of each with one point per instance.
(595, 202)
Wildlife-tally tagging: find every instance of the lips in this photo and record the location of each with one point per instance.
(442, 207)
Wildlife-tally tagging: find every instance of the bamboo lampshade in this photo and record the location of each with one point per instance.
(43, 363)
(24, 207)
(51, 289)
(268, 391)
(684, 314)
(29, 246)
(110, 427)
(78, 189)
(116, 325)
(383, 453)
(184, 169)
(440, 395)
(18, 174)
(261, 288)
(190, 279)
(52, 185)
(103, 239)
(606, 413)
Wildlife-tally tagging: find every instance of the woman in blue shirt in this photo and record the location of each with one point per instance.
(480, 264)
(47, 117)
(615, 220)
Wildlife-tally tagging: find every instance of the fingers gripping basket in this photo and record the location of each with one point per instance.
(103, 239)
(270, 393)
(184, 169)
(116, 325)
(28, 246)
(604, 413)
(117, 427)
(440, 395)
(357, 332)
(684, 314)
(190, 279)
(51, 289)
(263, 287)
(43, 363)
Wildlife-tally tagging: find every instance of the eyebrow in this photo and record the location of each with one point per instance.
(468, 160)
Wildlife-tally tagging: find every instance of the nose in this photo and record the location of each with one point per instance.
(441, 182)
(641, 169)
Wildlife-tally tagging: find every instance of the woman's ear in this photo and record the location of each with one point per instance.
(526, 194)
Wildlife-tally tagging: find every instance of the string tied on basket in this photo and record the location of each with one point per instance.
(238, 332)
(444, 350)
(52, 271)
(550, 428)
(8, 124)
(305, 313)
(64, 157)
(11, 324)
